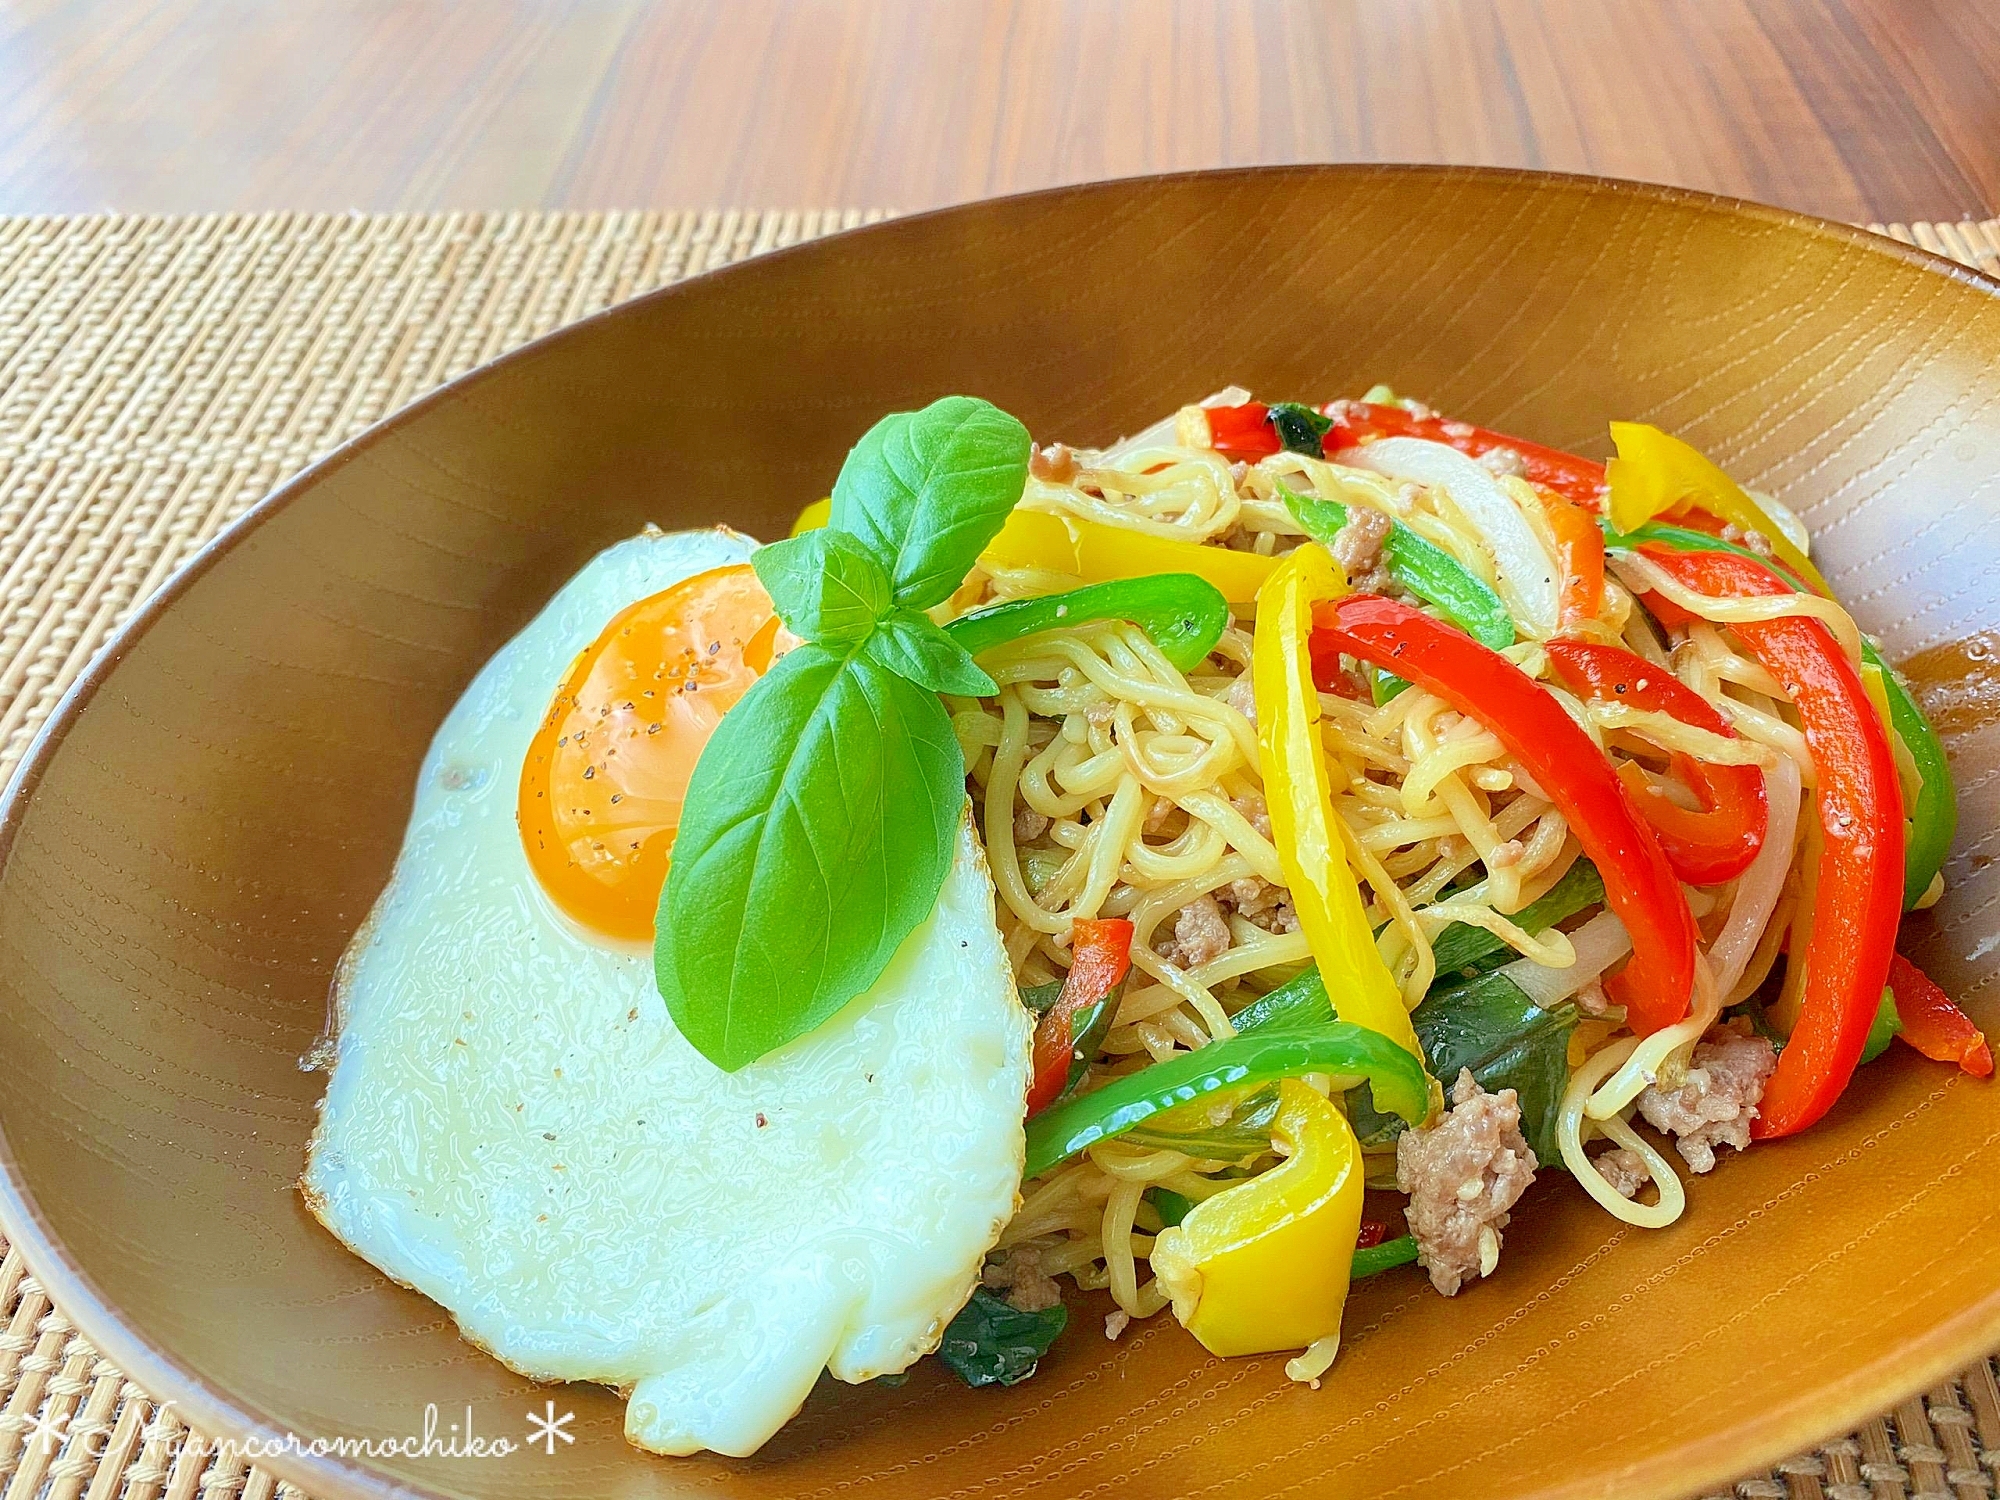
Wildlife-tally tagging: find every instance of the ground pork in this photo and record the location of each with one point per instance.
(1201, 932)
(1625, 1170)
(1464, 1175)
(1241, 696)
(1358, 548)
(1255, 813)
(1756, 541)
(1504, 461)
(1055, 463)
(1717, 1100)
(1592, 1000)
(1018, 1273)
(1262, 904)
(1029, 825)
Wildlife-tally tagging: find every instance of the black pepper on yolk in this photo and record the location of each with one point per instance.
(607, 773)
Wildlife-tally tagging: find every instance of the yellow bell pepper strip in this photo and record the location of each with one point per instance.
(1374, 1251)
(813, 517)
(1098, 553)
(1299, 792)
(1655, 471)
(1264, 1265)
(1351, 1055)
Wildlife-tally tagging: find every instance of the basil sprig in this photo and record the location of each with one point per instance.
(821, 817)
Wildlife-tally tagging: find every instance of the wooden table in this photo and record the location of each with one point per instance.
(1856, 109)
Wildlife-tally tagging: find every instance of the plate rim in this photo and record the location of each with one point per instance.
(1771, 1434)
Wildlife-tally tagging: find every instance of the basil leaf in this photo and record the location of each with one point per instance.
(819, 828)
(1300, 428)
(911, 646)
(1464, 951)
(825, 585)
(926, 491)
(991, 1343)
(1489, 1025)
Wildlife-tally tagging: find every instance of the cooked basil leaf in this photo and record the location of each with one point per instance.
(991, 1343)
(911, 645)
(1489, 1025)
(926, 491)
(825, 585)
(1244, 1131)
(1300, 428)
(819, 827)
(1463, 950)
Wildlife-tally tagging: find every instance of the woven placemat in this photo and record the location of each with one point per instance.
(159, 375)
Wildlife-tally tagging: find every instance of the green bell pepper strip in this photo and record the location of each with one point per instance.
(1171, 1206)
(1338, 1047)
(1887, 1025)
(1934, 818)
(1401, 1251)
(1300, 1001)
(1421, 567)
(1462, 947)
(1933, 821)
(1184, 615)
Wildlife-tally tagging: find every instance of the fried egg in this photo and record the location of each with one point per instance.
(515, 1128)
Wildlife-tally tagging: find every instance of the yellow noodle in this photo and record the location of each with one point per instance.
(1571, 1124)
(1670, 733)
(1639, 572)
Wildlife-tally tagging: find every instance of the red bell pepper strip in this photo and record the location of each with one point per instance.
(1860, 873)
(1242, 431)
(1933, 1025)
(1639, 884)
(1579, 558)
(1705, 848)
(1577, 479)
(1100, 958)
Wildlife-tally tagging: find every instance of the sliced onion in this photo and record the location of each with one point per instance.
(1758, 890)
(1784, 518)
(1599, 943)
(1164, 433)
(1527, 572)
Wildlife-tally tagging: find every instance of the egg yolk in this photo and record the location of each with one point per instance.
(607, 773)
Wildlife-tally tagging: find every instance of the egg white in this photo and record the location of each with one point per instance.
(515, 1128)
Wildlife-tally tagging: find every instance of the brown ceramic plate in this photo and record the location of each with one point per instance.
(197, 833)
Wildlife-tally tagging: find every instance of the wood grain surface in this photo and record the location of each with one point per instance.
(1854, 109)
